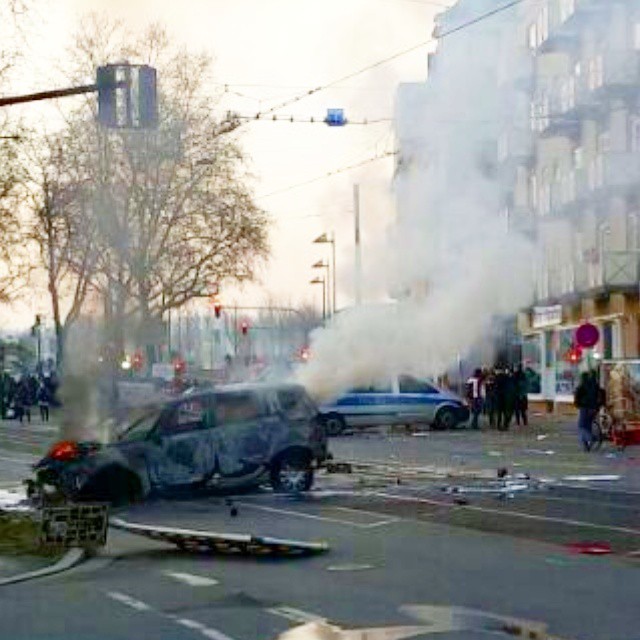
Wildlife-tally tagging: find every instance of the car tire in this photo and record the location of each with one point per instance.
(334, 424)
(446, 419)
(292, 473)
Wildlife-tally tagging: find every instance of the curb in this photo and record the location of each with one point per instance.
(72, 558)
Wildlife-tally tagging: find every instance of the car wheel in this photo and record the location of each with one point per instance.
(445, 419)
(292, 473)
(334, 424)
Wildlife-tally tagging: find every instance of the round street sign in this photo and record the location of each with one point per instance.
(587, 335)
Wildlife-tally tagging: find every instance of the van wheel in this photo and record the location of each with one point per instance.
(445, 419)
(334, 424)
(292, 473)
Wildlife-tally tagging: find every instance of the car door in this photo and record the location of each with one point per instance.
(182, 448)
(241, 445)
(418, 398)
(369, 405)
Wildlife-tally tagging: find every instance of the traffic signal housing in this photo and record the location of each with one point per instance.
(244, 327)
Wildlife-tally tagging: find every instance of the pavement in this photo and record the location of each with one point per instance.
(421, 525)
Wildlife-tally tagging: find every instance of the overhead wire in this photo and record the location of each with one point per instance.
(399, 54)
(329, 174)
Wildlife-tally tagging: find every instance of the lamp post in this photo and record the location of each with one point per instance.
(324, 265)
(322, 281)
(326, 239)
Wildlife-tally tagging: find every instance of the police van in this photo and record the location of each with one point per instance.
(403, 400)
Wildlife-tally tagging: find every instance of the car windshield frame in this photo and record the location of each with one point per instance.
(125, 436)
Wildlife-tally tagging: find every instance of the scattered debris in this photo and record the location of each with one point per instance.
(339, 467)
(224, 543)
(503, 472)
(495, 454)
(541, 437)
(460, 501)
(590, 548)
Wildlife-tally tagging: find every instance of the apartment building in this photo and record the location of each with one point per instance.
(578, 193)
(546, 96)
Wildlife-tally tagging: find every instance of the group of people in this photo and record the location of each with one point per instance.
(19, 395)
(500, 394)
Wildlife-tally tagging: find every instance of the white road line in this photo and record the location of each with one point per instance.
(207, 632)
(295, 615)
(191, 580)
(311, 516)
(516, 514)
(138, 605)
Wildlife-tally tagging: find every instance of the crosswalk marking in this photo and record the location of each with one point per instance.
(192, 580)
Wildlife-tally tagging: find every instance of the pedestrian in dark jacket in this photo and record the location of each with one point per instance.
(521, 396)
(44, 400)
(505, 398)
(23, 401)
(587, 398)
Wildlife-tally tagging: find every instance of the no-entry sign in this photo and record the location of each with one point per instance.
(587, 335)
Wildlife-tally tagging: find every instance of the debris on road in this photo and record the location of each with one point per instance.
(590, 548)
(599, 478)
(224, 543)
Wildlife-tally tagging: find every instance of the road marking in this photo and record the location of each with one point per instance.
(381, 523)
(191, 580)
(207, 632)
(138, 605)
(516, 514)
(312, 516)
(349, 567)
(295, 615)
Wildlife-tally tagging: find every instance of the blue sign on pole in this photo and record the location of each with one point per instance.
(335, 118)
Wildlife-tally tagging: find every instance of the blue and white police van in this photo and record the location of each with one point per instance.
(403, 400)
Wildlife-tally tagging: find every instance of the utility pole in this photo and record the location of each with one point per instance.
(358, 247)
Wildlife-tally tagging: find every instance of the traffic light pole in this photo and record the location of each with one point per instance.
(48, 95)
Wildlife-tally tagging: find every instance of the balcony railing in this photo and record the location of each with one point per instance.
(620, 268)
(614, 171)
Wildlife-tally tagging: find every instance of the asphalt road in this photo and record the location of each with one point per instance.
(392, 545)
(378, 564)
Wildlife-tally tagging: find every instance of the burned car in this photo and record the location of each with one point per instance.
(229, 438)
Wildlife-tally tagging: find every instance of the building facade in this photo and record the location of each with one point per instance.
(556, 120)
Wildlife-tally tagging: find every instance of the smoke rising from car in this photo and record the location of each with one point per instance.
(453, 263)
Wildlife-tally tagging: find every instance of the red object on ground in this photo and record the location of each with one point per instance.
(590, 548)
(628, 437)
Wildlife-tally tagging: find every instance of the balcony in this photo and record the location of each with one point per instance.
(620, 270)
(554, 110)
(611, 172)
(610, 74)
(560, 22)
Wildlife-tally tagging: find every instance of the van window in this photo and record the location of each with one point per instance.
(234, 408)
(409, 384)
(295, 404)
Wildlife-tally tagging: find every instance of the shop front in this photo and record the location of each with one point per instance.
(548, 341)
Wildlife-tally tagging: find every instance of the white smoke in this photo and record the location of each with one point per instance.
(450, 261)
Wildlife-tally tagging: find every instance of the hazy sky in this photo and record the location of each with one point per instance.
(267, 51)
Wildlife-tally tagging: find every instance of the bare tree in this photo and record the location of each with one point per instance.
(171, 210)
(60, 229)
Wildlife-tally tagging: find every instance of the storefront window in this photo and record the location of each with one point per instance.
(567, 374)
(532, 362)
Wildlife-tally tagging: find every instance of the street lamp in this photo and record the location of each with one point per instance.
(325, 239)
(323, 282)
(324, 265)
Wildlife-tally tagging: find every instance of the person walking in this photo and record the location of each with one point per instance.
(489, 383)
(521, 396)
(23, 401)
(474, 396)
(587, 398)
(44, 401)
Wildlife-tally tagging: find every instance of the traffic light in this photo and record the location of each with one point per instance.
(574, 354)
(217, 306)
(179, 366)
(137, 361)
(244, 327)
(127, 96)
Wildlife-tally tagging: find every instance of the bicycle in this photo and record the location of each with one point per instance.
(607, 427)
